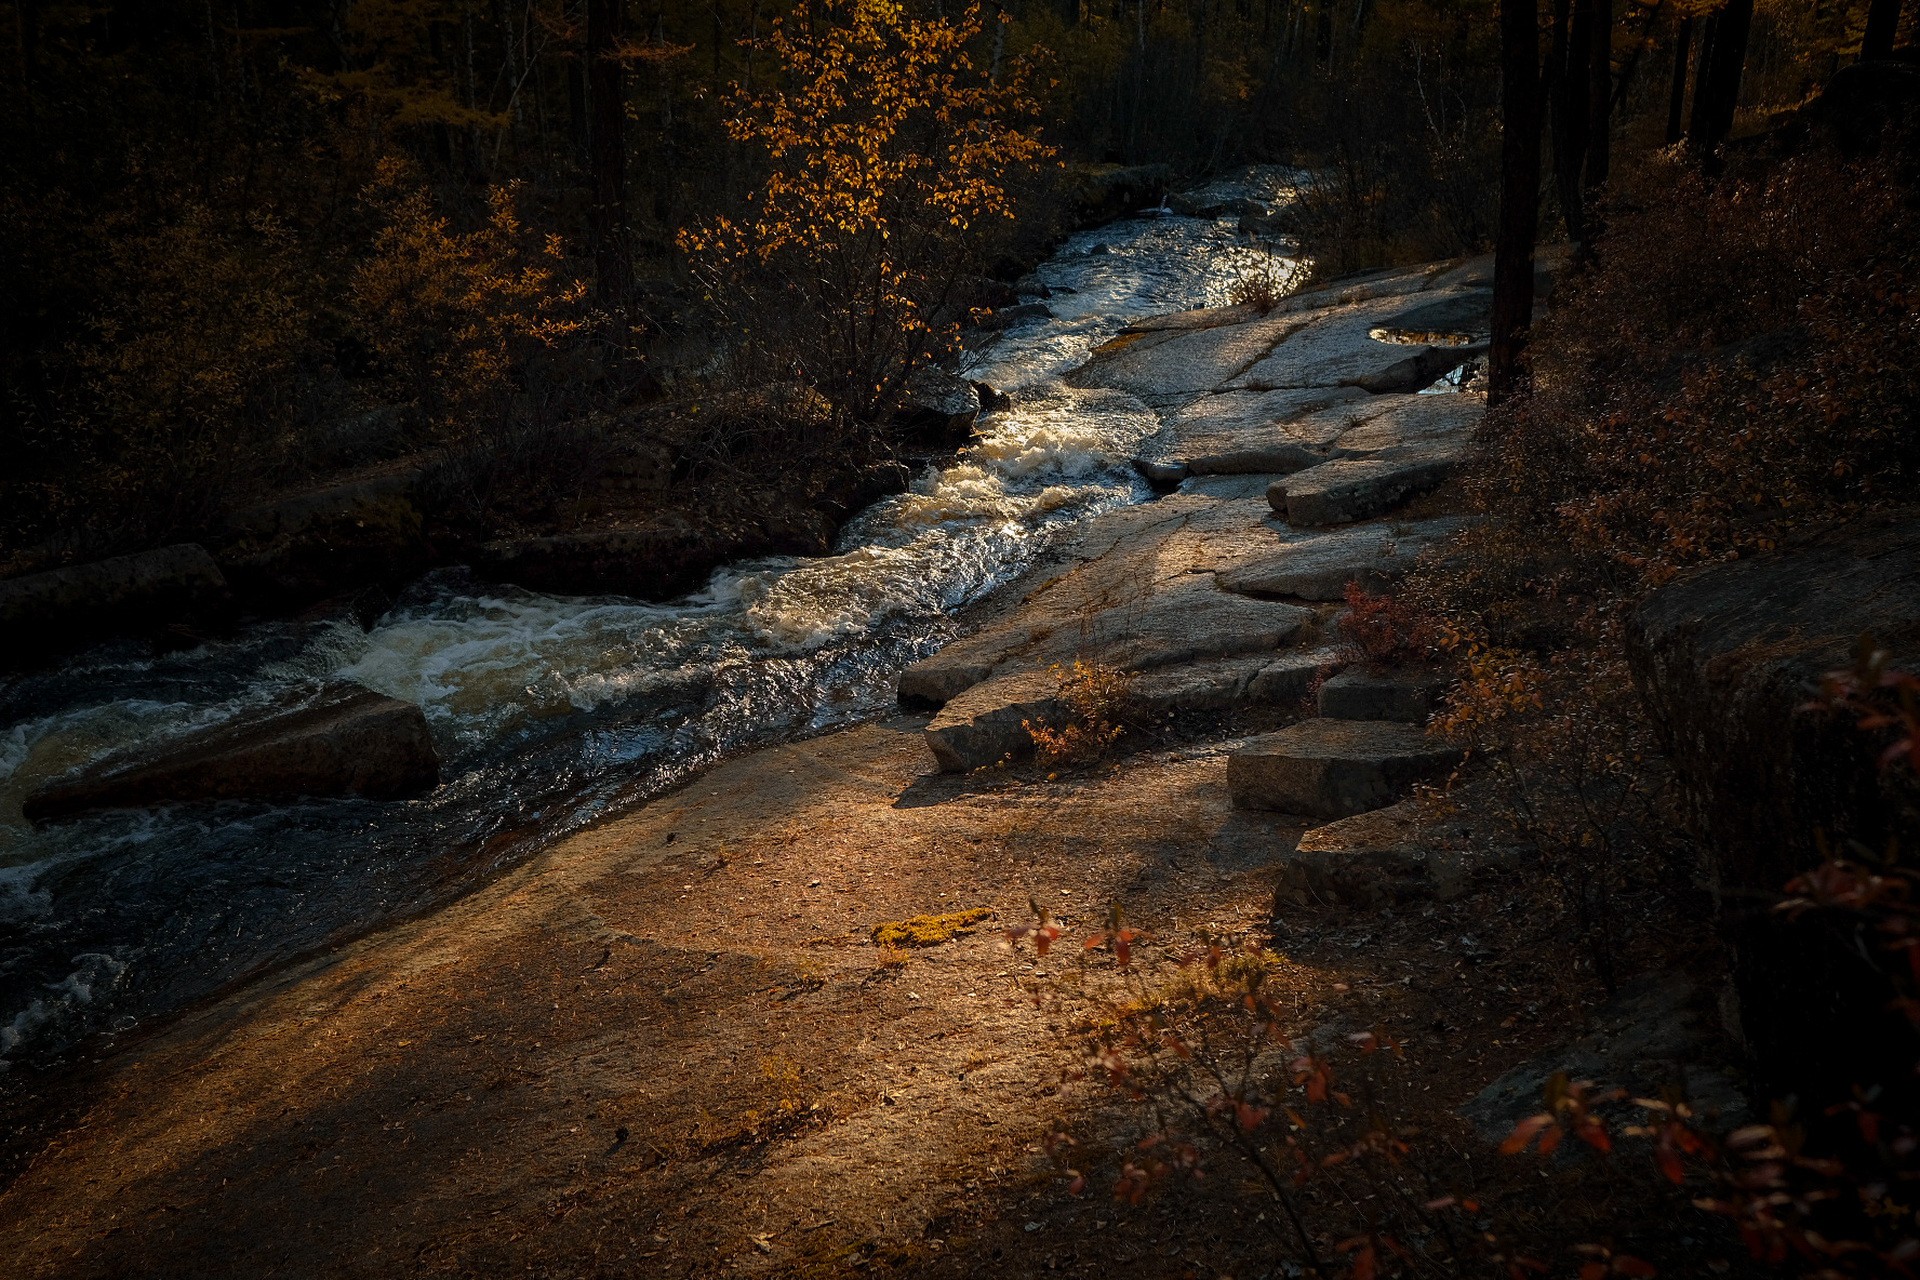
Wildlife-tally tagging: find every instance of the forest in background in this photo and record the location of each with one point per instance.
(253, 244)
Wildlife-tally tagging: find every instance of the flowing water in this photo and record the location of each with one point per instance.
(548, 711)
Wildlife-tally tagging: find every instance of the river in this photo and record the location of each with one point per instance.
(549, 711)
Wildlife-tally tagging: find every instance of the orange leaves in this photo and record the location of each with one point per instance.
(1569, 1111)
(886, 148)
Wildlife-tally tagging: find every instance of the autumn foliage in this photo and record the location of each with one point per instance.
(889, 155)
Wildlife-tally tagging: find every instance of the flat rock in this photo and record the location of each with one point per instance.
(1319, 565)
(1350, 489)
(348, 741)
(1334, 768)
(1399, 422)
(1459, 319)
(1129, 597)
(1337, 348)
(42, 613)
(1254, 433)
(1385, 858)
(1406, 697)
(986, 724)
(1171, 366)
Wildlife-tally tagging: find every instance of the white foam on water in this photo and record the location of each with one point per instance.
(765, 641)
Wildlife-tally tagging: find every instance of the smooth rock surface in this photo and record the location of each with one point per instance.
(985, 724)
(1319, 565)
(346, 741)
(1255, 433)
(1334, 768)
(1350, 489)
(1403, 421)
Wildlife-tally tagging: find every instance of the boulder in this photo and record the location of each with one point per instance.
(1103, 192)
(44, 613)
(347, 741)
(985, 724)
(1407, 697)
(1334, 768)
(1385, 858)
(1350, 489)
(939, 404)
(306, 546)
(1319, 565)
(1726, 659)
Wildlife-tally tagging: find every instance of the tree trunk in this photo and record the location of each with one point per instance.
(1883, 23)
(607, 148)
(1599, 18)
(1716, 94)
(1519, 194)
(1567, 81)
(1677, 95)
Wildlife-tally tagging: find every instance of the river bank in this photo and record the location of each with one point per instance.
(669, 1045)
(547, 711)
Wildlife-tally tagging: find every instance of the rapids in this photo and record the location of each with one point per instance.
(549, 711)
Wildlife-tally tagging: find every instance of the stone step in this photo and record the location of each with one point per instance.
(1347, 490)
(1384, 858)
(984, 724)
(1406, 697)
(1318, 566)
(1335, 768)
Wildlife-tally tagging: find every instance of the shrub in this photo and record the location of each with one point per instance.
(889, 154)
(1095, 698)
(1381, 630)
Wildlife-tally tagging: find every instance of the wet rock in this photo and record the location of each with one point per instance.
(1318, 566)
(44, 613)
(1334, 768)
(938, 404)
(991, 401)
(1103, 192)
(1655, 1035)
(347, 741)
(1725, 659)
(1352, 489)
(1385, 858)
(1189, 205)
(1407, 697)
